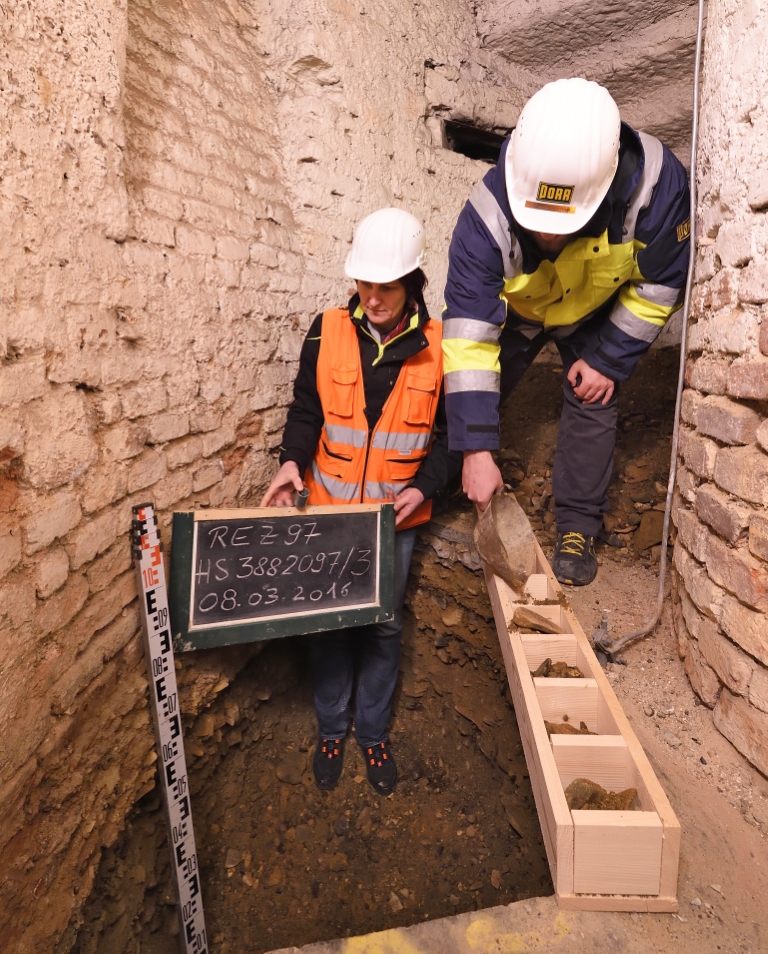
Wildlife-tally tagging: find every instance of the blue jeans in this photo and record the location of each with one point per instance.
(376, 650)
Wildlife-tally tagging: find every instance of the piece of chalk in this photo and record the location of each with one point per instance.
(301, 498)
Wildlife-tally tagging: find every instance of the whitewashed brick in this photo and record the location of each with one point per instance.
(60, 445)
(124, 441)
(144, 399)
(204, 419)
(146, 471)
(103, 485)
(743, 471)
(184, 452)
(207, 475)
(728, 517)
(53, 517)
(706, 594)
(171, 489)
(213, 441)
(22, 380)
(727, 421)
(52, 572)
(167, 427)
(91, 539)
(232, 249)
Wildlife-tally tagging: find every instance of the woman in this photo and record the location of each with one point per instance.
(367, 424)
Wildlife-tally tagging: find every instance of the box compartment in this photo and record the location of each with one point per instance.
(568, 700)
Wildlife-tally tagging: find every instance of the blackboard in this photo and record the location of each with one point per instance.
(244, 575)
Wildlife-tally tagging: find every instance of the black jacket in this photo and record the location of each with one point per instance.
(305, 415)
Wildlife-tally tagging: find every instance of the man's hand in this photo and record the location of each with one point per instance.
(280, 491)
(480, 477)
(406, 502)
(593, 385)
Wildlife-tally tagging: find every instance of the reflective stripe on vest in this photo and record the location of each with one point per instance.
(404, 443)
(348, 467)
(339, 489)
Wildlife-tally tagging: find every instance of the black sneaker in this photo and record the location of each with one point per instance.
(381, 768)
(574, 561)
(328, 762)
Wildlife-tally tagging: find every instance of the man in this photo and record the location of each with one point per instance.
(578, 235)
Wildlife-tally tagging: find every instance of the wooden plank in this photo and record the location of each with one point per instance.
(556, 648)
(616, 902)
(617, 852)
(247, 513)
(603, 759)
(568, 700)
(554, 815)
(538, 587)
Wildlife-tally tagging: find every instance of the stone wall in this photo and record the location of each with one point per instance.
(721, 553)
(179, 181)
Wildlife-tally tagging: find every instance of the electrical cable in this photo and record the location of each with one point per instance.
(611, 647)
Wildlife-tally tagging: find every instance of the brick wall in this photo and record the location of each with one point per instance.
(179, 182)
(720, 510)
(147, 350)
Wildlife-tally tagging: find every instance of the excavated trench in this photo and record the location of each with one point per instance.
(284, 864)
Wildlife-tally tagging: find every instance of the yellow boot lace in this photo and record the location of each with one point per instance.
(573, 543)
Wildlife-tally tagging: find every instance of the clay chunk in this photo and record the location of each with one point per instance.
(530, 619)
(565, 728)
(582, 794)
(558, 670)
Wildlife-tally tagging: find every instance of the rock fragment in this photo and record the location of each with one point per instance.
(526, 618)
(233, 858)
(584, 794)
(395, 904)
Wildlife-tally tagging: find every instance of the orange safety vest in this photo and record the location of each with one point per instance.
(350, 464)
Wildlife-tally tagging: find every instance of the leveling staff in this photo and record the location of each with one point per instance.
(367, 425)
(579, 236)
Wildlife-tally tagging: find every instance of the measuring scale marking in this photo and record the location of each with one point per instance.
(164, 699)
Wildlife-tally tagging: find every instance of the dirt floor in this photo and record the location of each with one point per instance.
(285, 865)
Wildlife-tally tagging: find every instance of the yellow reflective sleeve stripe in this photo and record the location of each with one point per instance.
(461, 354)
(643, 309)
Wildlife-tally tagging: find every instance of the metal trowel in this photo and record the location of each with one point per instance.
(505, 541)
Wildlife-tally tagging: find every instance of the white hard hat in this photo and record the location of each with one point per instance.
(388, 244)
(563, 155)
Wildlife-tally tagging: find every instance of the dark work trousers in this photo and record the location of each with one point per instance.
(375, 652)
(585, 438)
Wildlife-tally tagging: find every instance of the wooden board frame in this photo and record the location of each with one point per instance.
(186, 639)
(649, 839)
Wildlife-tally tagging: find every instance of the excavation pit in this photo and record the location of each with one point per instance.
(284, 864)
(340, 862)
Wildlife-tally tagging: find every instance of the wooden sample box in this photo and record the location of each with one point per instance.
(600, 860)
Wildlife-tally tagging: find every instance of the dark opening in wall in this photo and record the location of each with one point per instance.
(473, 142)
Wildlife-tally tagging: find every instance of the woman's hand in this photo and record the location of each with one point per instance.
(280, 492)
(593, 386)
(406, 502)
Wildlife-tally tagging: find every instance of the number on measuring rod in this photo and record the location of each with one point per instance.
(172, 767)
